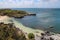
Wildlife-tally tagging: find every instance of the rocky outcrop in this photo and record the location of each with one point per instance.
(14, 13)
(31, 14)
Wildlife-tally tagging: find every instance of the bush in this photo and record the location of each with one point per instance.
(31, 36)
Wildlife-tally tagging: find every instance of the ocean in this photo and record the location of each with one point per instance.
(45, 18)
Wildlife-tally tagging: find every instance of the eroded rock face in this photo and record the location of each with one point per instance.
(10, 32)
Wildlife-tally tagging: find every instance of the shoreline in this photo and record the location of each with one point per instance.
(25, 29)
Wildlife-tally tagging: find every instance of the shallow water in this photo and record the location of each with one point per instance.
(45, 18)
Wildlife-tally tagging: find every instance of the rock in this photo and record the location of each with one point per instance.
(19, 17)
(32, 15)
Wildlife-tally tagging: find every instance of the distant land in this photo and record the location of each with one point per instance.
(14, 13)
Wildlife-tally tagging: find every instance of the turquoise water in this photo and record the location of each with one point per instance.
(44, 18)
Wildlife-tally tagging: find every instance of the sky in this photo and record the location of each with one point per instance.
(29, 3)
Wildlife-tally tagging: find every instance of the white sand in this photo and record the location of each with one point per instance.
(5, 19)
(25, 29)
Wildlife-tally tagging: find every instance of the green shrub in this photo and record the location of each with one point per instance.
(31, 36)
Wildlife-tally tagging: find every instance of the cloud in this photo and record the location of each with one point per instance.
(16, 3)
(29, 3)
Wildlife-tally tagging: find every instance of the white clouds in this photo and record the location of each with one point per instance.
(49, 3)
(28, 3)
(16, 3)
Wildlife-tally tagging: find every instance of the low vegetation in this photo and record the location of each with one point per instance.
(13, 13)
(10, 32)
